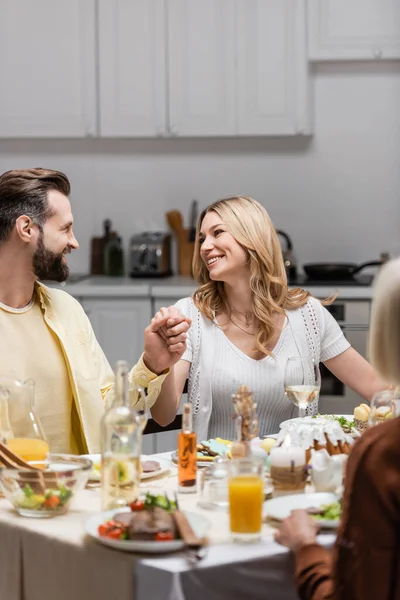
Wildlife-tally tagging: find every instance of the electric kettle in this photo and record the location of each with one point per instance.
(288, 255)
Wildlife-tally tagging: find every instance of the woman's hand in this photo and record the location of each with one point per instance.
(165, 339)
(297, 531)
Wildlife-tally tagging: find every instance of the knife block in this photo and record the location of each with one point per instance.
(185, 253)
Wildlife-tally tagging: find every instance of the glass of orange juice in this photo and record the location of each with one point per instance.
(246, 497)
(20, 426)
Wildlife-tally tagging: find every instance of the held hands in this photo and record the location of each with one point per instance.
(165, 339)
(297, 531)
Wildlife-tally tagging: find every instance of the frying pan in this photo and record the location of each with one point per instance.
(331, 271)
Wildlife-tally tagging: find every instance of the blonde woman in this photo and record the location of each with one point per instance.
(246, 323)
(365, 563)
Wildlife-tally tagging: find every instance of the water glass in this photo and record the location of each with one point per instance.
(385, 405)
(246, 497)
(214, 486)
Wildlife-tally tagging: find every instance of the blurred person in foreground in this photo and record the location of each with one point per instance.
(365, 562)
(45, 334)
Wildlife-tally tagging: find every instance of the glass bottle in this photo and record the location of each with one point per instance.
(114, 256)
(121, 439)
(187, 453)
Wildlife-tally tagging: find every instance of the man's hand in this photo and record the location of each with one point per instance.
(165, 339)
(297, 531)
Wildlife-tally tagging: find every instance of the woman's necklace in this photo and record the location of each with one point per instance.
(248, 316)
(252, 333)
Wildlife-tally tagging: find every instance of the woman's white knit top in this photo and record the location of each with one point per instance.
(218, 367)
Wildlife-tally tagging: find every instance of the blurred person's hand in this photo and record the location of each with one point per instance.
(298, 530)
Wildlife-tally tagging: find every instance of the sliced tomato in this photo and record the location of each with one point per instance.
(164, 536)
(113, 523)
(52, 502)
(115, 533)
(103, 529)
(137, 505)
(112, 530)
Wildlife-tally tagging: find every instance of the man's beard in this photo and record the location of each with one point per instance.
(48, 265)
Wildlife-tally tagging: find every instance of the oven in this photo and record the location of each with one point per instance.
(353, 317)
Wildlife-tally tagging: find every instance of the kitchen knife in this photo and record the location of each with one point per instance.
(193, 221)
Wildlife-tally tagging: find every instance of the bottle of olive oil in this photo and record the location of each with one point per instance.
(187, 453)
(121, 440)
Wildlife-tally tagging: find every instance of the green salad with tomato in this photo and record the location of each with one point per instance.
(327, 512)
(150, 519)
(52, 499)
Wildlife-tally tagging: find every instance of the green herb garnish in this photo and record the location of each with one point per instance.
(161, 501)
(344, 423)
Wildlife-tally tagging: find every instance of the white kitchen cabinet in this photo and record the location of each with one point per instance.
(152, 68)
(119, 326)
(353, 29)
(201, 52)
(272, 84)
(158, 302)
(238, 67)
(132, 76)
(47, 68)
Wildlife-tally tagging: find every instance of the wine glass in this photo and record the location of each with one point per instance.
(302, 382)
(385, 405)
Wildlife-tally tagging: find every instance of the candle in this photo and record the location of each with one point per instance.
(287, 456)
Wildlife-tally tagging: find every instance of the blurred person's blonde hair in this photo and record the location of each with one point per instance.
(385, 323)
(251, 226)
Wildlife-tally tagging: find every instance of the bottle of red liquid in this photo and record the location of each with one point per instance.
(187, 453)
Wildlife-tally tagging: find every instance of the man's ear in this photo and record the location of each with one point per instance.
(26, 229)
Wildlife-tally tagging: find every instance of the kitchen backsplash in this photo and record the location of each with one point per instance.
(337, 194)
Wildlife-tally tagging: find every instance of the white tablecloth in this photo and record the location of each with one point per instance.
(46, 559)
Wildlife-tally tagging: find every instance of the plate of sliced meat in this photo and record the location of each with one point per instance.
(148, 526)
(151, 467)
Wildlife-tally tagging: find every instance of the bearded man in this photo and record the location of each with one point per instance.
(45, 334)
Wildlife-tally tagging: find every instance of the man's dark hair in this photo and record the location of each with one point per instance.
(24, 192)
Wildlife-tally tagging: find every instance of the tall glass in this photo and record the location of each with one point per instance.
(302, 382)
(246, 497)
(385, 405)
(20, 427)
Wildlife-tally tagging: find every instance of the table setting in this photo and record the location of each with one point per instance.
(173, 531)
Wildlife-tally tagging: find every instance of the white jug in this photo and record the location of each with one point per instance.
(327, 472)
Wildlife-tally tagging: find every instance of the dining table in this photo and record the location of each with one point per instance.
(54, 558)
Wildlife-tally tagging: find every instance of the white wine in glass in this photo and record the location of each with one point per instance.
(302, 382)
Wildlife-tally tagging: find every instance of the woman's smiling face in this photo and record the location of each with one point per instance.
(223, 256)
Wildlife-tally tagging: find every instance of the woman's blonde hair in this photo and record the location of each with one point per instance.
(385, 323)
(250, 225)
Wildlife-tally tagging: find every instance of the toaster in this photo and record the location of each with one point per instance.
(150, 254)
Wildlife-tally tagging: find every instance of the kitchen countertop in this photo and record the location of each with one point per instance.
(180, 287)
(102, 286)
